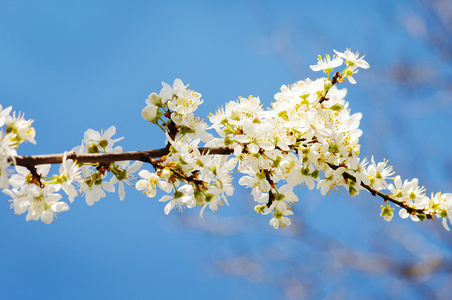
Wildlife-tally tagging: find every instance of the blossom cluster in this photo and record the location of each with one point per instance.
(308, 137)
(193, 179)
(27, 192)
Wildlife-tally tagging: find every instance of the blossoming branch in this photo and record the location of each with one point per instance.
(308, 137)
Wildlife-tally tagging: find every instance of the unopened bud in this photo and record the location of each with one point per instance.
(149, 113)
(337, 107)
(421, 217)
(166, 173)
(327, 86)
(155, 99)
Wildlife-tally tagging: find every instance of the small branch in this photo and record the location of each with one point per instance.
(336, 78)
(385, 197)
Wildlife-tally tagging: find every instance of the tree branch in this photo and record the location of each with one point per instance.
(385, 197)
(107, 158)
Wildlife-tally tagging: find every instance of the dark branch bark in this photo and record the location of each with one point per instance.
(107, 158)
(385, 197)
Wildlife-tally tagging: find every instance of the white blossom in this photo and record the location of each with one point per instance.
(307, 137)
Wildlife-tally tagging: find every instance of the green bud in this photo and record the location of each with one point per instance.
(422, 217)
(337, 107)
(327, 86)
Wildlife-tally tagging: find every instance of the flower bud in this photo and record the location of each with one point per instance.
(166, 173)
(149, 113)
(337, 107)
(327, 86)
(422, 217)
(155, 99)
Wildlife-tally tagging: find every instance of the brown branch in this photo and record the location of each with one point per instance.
(336, 78)
(385, 197)
(107, 158)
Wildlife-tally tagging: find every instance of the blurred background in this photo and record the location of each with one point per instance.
(74, 65)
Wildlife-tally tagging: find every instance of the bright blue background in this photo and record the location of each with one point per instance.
(74, 65)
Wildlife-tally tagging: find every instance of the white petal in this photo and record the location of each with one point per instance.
(60, 206)
(398, 182)
(110, 132)
(165, 198)
(134, 167)
(403, 213)
(121, 191)
(241, 138)
(47, 217)
(144, 174)
(92, 134)
(253, 148)
(266, 145)
(169, 207)
(446, 226)
(108, 186)
(165, 186)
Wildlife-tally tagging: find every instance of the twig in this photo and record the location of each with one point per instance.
(385, 197)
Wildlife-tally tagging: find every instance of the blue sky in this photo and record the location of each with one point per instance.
(74, 65)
